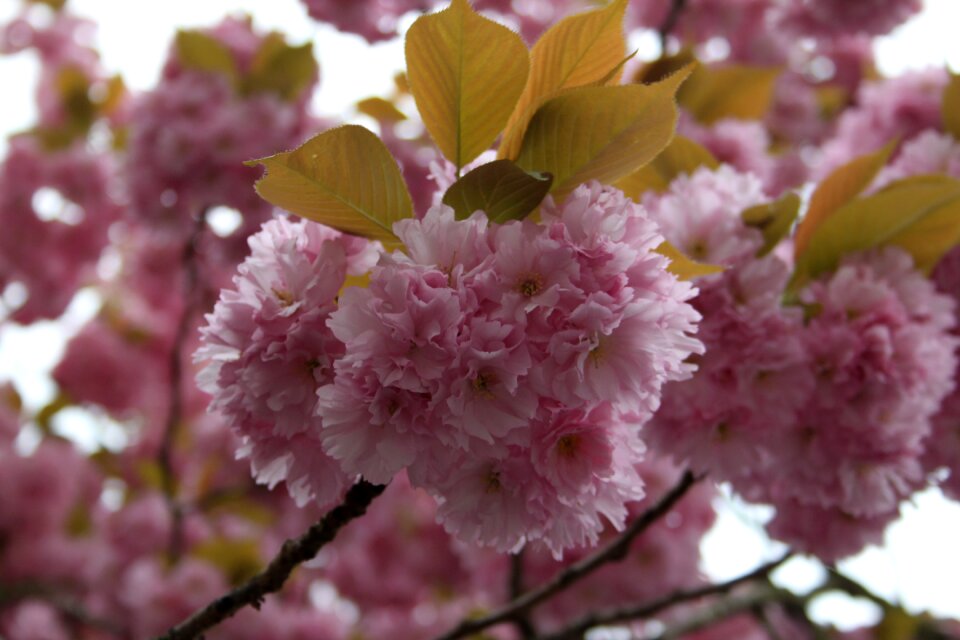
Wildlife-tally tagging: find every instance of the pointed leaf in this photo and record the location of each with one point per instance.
(501, 189)
(684, 267)
(280, 68)
(951, 106)
(730, 91)
(681, 156)
(466, 73)
(579, 50)
(600, 133)
(773, 219)
(665, 66)
(381, 110)
(840, 187)
(198, 51)
(344, 178)
(920, 215)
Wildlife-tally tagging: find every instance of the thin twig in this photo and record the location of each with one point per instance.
(526, 628)
(761, 615)
(670, 22)
(188, 260)
(725, 608)
(293, 553)
(614, 551)
(649, 609)
(69, 608)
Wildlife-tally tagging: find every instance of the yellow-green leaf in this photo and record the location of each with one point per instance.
(579, 50)
(898, 624)
(280, 68)
(239, 560)
(501, 189)
(196, 50)
(840, 187)
(344, 178)
(466, 73)
(920, 215)
(56, 5)
(681, 156)
(600, 133)
(664, 66)
(951, 106)
(11, 399)
(684, 267)
(381, 110)
(44, 417)
(79, 522)
(773, 219)
(730, 91)
(238, 503)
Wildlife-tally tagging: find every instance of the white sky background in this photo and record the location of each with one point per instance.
(920, 562)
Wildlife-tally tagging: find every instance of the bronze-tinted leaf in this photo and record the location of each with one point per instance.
(344, 178)
(466, 73)
(600, 133)
(501, 189)
(581, 50)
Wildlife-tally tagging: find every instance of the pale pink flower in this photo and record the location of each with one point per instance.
(468, 361)
(268, 351)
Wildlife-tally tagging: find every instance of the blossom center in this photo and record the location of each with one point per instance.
(567, 446)
(530, 284)
(493, 481)
(285, 297)
(482, 383)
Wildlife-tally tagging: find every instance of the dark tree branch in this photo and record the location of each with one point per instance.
(670, 22)
(614, 551)
(292, 554)
(526, 628)
(647, 610)
(191, 276)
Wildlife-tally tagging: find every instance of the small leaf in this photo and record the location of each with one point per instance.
(381, 110)
(362, 281)
(151, 474)
(681, 156)
(56, 5)
(664, 67)
(239, 504)
(11, 399)
(280, 68)
(613, 76)
(578, 51)
(773, 219)
(344, 178)
(200, 52)
(730, 91)
(44, 417)
(79, 522)
(898, 624)
(600, 133)
(920, 215)
(501, 189)
(239, 560)
(683, 267)
(466, 73)
(837, 189)
(951, 106)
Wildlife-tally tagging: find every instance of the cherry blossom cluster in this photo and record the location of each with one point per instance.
(846, 380)
(507, 367)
